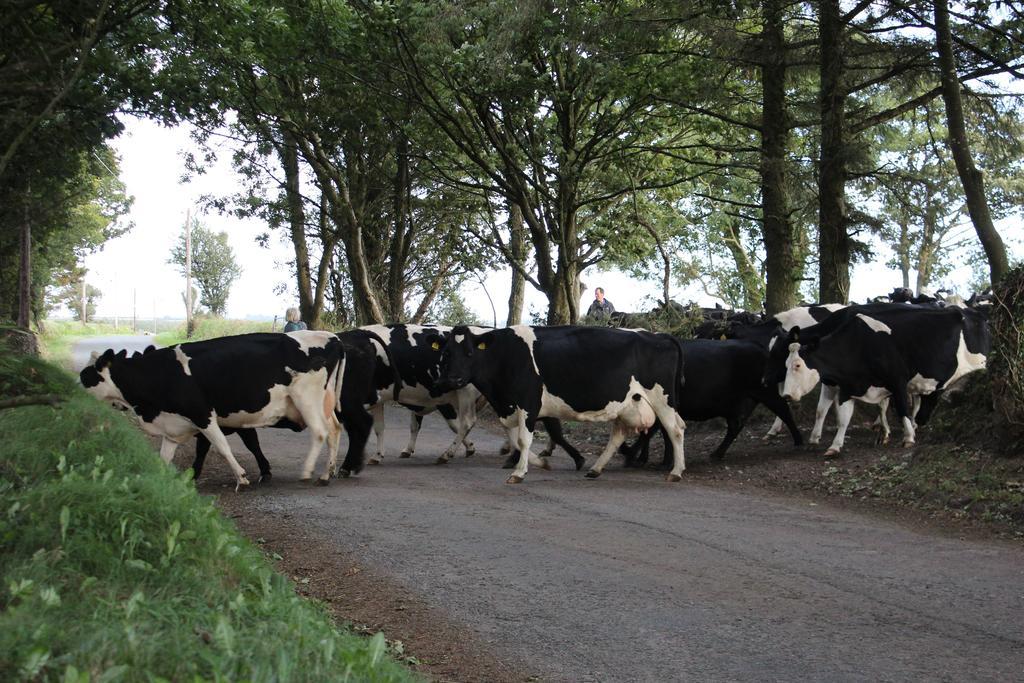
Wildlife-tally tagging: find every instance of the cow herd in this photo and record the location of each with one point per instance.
(639, 381)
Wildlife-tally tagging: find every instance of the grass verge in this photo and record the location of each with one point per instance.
(114, 568)
(208, 328)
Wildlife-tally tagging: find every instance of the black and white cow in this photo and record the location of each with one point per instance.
(249, 380)
(594, 374)
(722, 380)
(415, 355)
(363, 378)
(878, 351)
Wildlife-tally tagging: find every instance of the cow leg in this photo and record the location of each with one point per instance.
(826, 397)
(618, 435)
(252, 442)
(632, 451)
(202, 448)
(675, 428)
(167, 450)
(333, 445)
(784, 415)
(557, 437)
(220, 442)
(733, 425)
(927, 404)
(377, 411)
(460, 420)
(774, 430)
(844, 413)
(318, 414)
(357, 425)
(523, 441)
(415, 422)
(902, 406)
(883, 422)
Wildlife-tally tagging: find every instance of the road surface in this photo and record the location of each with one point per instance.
(82, 349)
(629, 578)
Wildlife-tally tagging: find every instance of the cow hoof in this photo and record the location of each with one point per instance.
(831, 453)
(505, 450)
(514, 479)
(265, 478)
(470, 453)
(242, 481)
(306, 477)
(580, 462)
(717, 456)
(908, 444)
(544, 464)
(592, 474)
(672, 477)
(344, 474)
(405, 454)
(373, 461)
(322, 481)
(814, 440)
(441, 461)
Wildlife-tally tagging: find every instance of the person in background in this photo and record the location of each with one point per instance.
(601, 307)
(293, 324)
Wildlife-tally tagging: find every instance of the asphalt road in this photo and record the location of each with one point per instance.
(82, 349)
(629, 578)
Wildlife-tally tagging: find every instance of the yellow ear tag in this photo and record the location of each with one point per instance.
(481, 346)
(722, 338)
(435, 346)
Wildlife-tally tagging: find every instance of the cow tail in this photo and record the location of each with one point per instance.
(680, 377)
(339, 374)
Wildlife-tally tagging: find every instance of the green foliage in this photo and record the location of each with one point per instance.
(450, 308)
(1006, 363)
(112, 566)
(210, 328)
(214, 268)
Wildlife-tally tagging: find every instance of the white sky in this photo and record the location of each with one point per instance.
(152, 167)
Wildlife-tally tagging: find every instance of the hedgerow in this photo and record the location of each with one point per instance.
(112, 567)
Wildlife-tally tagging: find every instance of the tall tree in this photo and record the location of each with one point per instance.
(214, 268)
(970, 176)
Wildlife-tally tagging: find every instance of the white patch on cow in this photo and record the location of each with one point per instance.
(800, 379)
(459, 338)
(637, 415)
(526, 333)
(183, 359)
(876, 325)
(966, 362)
(311, 339)
(920, 384)
(874, 395)
(171, 426)
(771, 343)
(279, 405)
(801, 316)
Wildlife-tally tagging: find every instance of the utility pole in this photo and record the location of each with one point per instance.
(85, 310)
(188, 274)
(135, 322)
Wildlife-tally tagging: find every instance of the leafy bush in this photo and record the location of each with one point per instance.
(1006, 363)
(210, 327)
(112, 567)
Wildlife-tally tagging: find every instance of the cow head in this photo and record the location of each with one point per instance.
(778, 351)
(462, 357)
(96, 378)
(799, 379)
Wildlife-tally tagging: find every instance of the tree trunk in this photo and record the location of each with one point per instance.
(904, 249)
(403, 231)
(25, 271)
(297, 227)
(833, 240)
(781, 273)
(517, 246)
(970, 177)
(926, 252)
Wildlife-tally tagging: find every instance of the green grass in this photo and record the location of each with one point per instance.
(112, 567)
(208, 328)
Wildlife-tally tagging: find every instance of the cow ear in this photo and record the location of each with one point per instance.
(122, 354)
(93, 357)
(148, 349)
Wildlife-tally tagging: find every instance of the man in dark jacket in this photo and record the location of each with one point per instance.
(601, 307)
